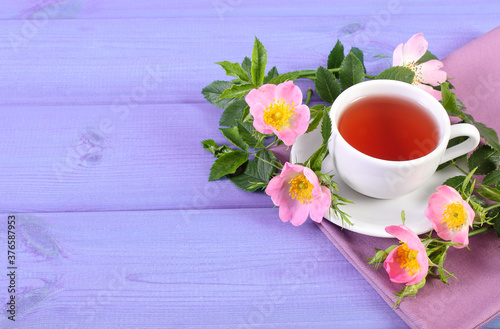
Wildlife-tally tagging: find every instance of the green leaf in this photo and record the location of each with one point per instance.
(210, 145)
(246, 65)
(227, 164)
(264, 160)
(237, 91)
(316, 160)
(485, 158)
(215, 149)
(233, 135)
(233, 113)
(449, 100)
(492, 178)
(234, 69)
(326, 85)
(490, 135)
(489, 193)
(247, 131)
(426, 57)
(273, 73)
(399, 73)
(259, 61)
(453, 142)
(292, 76)
(316, 119)
(351, 71)
(326, 127)
(213, 91)
(336, 57)
(455, 182)
(359, 54)
(249, 180)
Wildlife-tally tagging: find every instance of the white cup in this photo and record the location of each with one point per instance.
(385, 179)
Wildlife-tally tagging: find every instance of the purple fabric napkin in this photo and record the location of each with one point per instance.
(475, 298)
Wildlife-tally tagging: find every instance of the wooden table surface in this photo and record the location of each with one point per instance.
(101, 163)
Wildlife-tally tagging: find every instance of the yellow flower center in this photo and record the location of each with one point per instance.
(301, 189)
(407, 258)
(278, 114)
(417, 68)
(455, 216)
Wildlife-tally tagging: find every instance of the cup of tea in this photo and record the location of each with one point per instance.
(389, 137)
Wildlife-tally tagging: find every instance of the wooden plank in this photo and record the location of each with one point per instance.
(150, 269)
(62, 158)
(81, 62)
(68, 9)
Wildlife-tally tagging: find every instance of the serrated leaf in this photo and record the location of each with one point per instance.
(485, 159)
(210, 145)
(336, 57)
(259, 61)
(227, 164)
(234, 70)
(273, 73)
(246, 65)
(489, 193)
(233, 135)
(264, 159)
(233, 113)
(248, 179)
(492, 178)
(316, 159)
(399, 73)
(247, 132)
(316, 119)
(213, 91)
(455, 182)
(326, 127)
(489, 134)
(359, 54)
(426, 57)
(237, 91)
(351, 71)
(326, 85)
(449, 100)
(292, 76)
(215, 149)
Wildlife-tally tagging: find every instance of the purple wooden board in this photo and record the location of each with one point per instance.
(180, 252)
(151, 269)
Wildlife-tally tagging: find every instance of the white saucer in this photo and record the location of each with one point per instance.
(370, 216)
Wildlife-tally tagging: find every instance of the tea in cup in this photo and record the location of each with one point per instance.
(389, 137)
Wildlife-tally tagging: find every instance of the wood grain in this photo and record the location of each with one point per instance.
(149, 269)
(102, 119)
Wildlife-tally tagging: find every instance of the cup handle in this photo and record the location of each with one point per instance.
(462, 129)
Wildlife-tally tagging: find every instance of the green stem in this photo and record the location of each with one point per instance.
(308, 97)
(272, 164)
(370, 76)
(496, 205)
(480, 230)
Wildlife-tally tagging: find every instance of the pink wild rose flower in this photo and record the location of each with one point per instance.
(279, 110)
(407, 263)
(450, 215)
(298, 193)
(427, 74)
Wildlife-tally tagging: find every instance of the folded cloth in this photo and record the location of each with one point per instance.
(475, 298)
